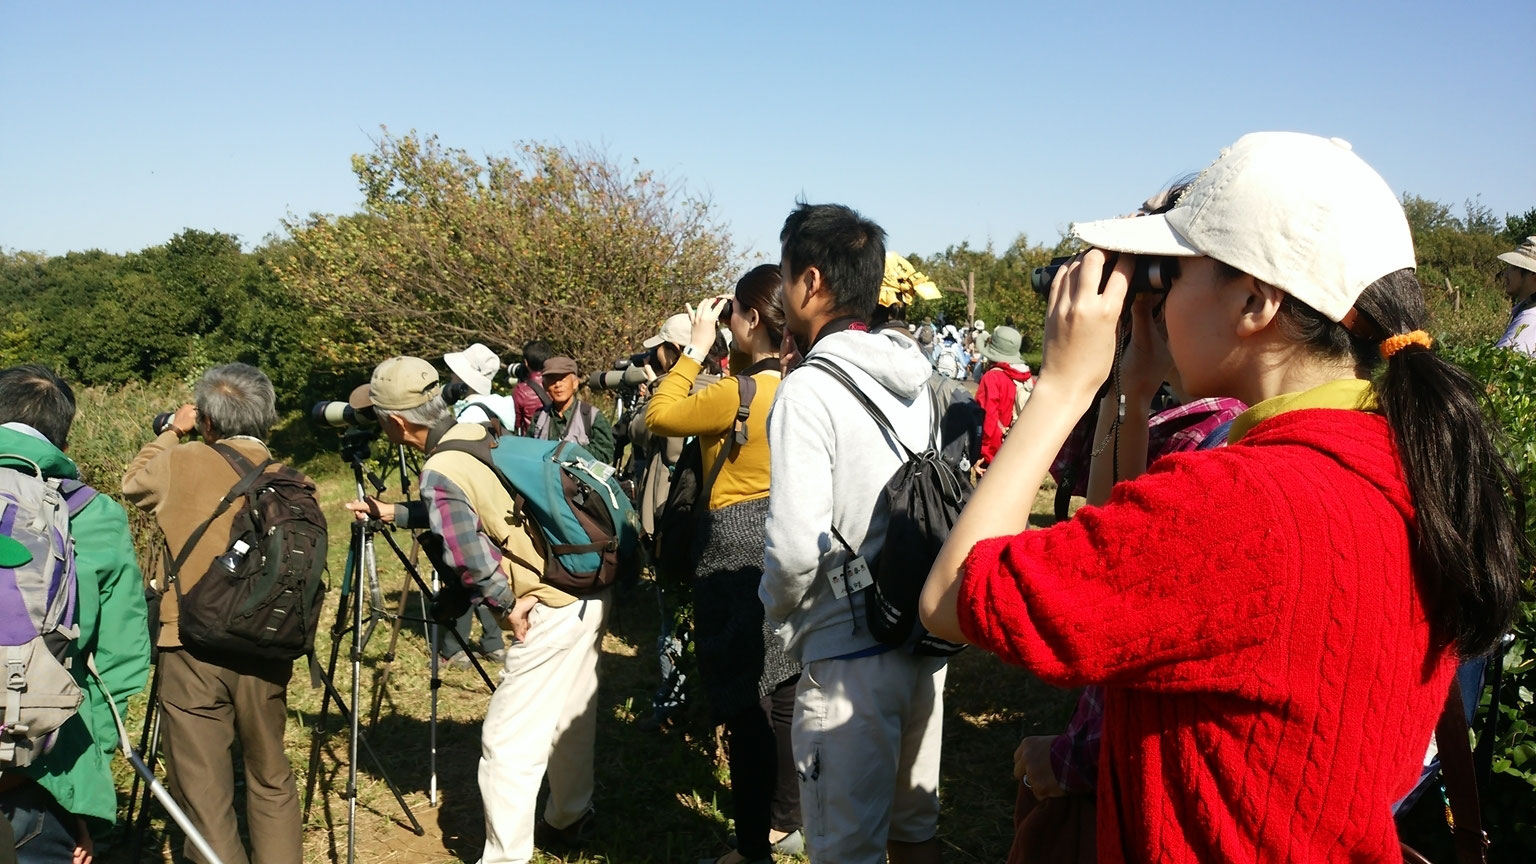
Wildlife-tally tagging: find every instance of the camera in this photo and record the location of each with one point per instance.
(1153, 274)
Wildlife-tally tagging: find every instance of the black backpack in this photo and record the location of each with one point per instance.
(924, 497)
(688, 496)
(268, 604)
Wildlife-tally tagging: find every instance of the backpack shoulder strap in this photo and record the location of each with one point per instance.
(76, 495)
(249, 476)
(747, 388)
(1460, 781)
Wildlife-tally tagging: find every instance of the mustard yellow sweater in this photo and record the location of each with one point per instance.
(710, 415)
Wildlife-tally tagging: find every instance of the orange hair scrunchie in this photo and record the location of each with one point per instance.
(1393, 344)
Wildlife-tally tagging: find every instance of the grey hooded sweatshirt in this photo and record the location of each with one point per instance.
(830, 464)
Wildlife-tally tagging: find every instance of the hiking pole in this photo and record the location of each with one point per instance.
(178, 815)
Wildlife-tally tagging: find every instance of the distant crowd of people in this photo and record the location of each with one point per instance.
(1297, 528)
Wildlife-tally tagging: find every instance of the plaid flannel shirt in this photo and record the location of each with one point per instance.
(469, 553)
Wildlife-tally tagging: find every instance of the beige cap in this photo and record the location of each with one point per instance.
(1302, 213)
(678, 330)
(1523, 257)
(402, 383)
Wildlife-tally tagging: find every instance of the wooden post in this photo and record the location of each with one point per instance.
(970, 298)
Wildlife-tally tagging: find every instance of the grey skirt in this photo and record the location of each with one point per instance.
(740, 660)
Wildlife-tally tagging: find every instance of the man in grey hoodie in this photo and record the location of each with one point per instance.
(868, 716)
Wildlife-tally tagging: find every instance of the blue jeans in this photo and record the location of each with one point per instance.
(45, 832)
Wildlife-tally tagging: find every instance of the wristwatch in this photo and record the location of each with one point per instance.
(696, 354)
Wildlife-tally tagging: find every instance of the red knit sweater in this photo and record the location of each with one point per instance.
(1271, 679)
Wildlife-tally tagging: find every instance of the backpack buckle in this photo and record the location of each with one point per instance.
(15, 675)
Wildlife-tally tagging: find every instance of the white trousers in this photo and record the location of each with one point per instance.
(867, 735)
(543, 716)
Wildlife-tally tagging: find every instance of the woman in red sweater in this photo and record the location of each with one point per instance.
(1276, 623)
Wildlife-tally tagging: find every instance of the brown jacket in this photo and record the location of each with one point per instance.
(182, 484)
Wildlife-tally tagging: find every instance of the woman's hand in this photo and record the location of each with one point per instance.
(1080, 324)
(706, 322)
(1032, 767)
(1147, 362)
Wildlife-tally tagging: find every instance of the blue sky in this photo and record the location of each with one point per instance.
(125, 123)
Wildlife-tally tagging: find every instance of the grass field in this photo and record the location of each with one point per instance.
(661, 795)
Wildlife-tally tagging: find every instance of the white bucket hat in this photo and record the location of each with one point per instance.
(476, 366)
(1299, 212)
(1523, 257)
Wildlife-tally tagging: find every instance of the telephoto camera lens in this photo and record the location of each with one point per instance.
(161, 422)
(339, 414)
(629, 376)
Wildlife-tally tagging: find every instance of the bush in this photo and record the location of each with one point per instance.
(556, 243)
(1510, 805)
(111, 426)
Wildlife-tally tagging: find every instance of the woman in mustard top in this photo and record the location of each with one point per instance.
(748, 678)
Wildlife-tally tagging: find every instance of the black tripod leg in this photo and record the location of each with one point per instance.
(421, 585)
(149, 722)
(149, 745)
(338, 629)
(381, 683)
(345, 714)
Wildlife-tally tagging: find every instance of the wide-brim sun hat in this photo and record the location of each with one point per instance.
(1004, 346)
(476, 366)
(1524, 257)
(1299, 212)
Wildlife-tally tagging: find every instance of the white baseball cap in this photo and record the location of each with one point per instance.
(476, 366)
(677, 329)
(1299, 212)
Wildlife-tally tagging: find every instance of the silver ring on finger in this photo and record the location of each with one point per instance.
(1027, 784)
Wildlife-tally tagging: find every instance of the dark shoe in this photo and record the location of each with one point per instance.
(549, 838)
(498, 657)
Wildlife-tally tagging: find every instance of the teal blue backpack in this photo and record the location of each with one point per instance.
(591, 531)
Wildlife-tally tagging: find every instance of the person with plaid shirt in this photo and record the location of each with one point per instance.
(542, 720)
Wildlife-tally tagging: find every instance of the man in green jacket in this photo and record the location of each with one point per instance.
(54, 805)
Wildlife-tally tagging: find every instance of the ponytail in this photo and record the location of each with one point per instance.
(1470, 545)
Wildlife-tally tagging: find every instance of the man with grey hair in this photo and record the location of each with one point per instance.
(207, 701)
(543, 716)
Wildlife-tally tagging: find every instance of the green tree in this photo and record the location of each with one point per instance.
(555, 243)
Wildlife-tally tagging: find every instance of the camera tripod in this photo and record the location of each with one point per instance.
(361, 565)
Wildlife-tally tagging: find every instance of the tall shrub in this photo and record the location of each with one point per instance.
(555, 243)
